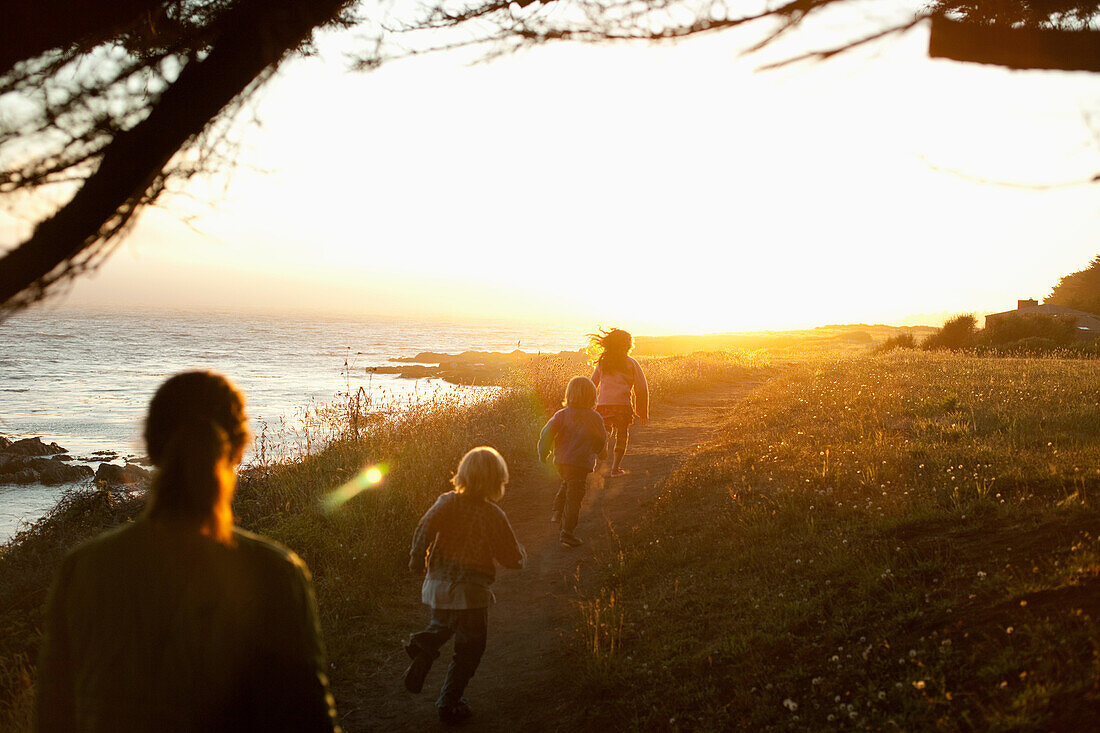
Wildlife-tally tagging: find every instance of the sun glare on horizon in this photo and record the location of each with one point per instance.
(671, 188)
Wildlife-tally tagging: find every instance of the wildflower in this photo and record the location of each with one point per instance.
(790, 704)
(919, 684)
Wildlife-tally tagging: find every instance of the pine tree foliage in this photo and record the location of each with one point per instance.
(1079, 290)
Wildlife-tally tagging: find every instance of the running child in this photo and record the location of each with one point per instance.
(623, 391)
(576, 435)
(460, 538)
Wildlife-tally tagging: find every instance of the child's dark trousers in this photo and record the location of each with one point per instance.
(574, 480)
(469, 628)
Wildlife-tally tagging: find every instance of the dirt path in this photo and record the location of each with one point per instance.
(517, 688)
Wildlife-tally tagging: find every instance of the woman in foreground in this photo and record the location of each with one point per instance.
(180, 621)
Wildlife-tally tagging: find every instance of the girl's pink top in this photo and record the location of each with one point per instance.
(615, 388)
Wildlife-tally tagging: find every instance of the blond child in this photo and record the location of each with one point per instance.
(577, 438)
(460, 538)
(623, 391)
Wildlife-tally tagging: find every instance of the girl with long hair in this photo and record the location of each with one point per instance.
(622, 389)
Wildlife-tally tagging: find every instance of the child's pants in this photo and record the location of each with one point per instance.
(574, 480)
(469, 628)
(617, 420)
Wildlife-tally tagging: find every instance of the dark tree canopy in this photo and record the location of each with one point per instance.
(107, 103)
(1079, 290)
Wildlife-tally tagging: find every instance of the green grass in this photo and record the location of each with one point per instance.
(357, 552)
(906, 541)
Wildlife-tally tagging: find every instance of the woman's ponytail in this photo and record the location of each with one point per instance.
(194, 432)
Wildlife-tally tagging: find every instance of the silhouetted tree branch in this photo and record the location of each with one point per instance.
(108, 101)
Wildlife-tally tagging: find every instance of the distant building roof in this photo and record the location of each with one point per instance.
(1085, 321)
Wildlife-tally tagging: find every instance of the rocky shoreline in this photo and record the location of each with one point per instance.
(31, 461)
(470, 368)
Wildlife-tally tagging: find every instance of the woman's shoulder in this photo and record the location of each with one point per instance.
(264, 549)
(123, 539)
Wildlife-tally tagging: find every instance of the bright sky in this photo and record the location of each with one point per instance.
(664, 189)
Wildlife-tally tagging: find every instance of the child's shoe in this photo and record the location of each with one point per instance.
(570, 540)
(555, 517)
(455, 713)
(417, 670)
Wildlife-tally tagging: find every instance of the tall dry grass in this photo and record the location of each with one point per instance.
(356, 546)
(906, 541)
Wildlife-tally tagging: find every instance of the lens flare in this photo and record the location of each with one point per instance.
(369, 478)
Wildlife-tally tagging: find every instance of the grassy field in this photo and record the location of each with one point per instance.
(357, 545)
(902, 541)
(894, 542)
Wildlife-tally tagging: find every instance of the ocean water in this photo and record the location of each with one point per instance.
(83, 378)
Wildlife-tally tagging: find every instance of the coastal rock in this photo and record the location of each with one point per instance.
(23, 476)
(475, 357)
(34, 447)
(17, 469)
(38, 464)
(4, 443)
(416, 371)
(481, 368)
(62, 473)
(12, 464)
(113, 475)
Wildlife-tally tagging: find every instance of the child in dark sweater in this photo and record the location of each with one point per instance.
(577, 437)
(461, 537)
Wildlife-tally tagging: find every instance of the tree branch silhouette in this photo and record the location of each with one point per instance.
(118, 98)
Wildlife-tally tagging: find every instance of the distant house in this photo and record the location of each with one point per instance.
(1088, 324)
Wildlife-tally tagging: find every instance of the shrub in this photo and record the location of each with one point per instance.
(897, 341)
(958, 333)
